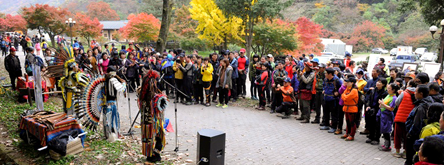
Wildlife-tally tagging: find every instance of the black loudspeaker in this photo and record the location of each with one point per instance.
(210, 147)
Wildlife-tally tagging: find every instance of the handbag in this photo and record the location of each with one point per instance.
(305, 94)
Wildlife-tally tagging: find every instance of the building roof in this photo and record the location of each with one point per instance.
(327, 41)
(113, 25)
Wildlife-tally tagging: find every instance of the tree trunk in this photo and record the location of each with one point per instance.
(250, 36)
(51, 36)
(165, 25)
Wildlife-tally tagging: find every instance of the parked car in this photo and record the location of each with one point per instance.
(399, 60)
(394, 51)
(420, 51)
(379, 50)
(429, 57)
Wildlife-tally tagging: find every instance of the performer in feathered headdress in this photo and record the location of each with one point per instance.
(72, 85)
(152, 104)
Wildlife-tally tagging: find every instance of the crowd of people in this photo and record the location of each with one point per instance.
(403, 106)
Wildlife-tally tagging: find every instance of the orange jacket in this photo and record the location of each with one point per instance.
(350, 97)
(405, 107)
(286, 93)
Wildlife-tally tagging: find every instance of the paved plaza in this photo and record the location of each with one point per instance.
(258, 137)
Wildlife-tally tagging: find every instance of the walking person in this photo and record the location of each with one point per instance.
(224, 83)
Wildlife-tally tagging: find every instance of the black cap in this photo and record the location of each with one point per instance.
(351, 79)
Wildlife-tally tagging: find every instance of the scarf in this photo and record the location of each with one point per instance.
(387, 101)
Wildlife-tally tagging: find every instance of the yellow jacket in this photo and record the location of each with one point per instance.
(178, 73)
(207, 73)
(361, 84)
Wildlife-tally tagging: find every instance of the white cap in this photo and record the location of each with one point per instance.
(269, 55)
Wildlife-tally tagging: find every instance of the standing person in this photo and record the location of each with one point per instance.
(103, 63)
(131, 72)
(261, 82)
(416, 120)
(215, 62)
(107, 50)
(187, 71)
(305, 89)
(235, 76)
(243, 63)
(350, 98)
(439, 78)
(288, 98)
(393, 75)
(92, 60)
(12, 65)
(252, 76)
(295, 85)
(270, 60)
(167, 70)
(179, 76)
(371, 84)
(319, 97)
(113, 85)
(372, 109)
(44, 45)
(380, 65)
(207, 78)
(385, 115)
(279, 76)
(361, 84)
(224, 83)
(289, 67)
(347, 59)
(197, 81)
(23, 43)
(37, 46)
(405, 105)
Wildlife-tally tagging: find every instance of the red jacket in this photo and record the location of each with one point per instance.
(289, 69)
(405, 107)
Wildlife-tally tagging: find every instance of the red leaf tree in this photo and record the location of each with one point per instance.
(102, 11)
(367, 36)
(11, 23)
(47, 19)
(86, 27)
(141, 27)
(308, 37)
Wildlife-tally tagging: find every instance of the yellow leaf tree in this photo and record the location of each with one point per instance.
(213, 25)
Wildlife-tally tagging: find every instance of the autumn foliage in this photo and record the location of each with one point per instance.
(309, 34)
(141, 27)
(366, 36)
(12, 23)
(213, 25)
(102, 11)
(46, 18)
(86, 27)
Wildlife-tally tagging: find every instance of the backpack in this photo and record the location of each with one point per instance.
(168, 70)
(329, 87)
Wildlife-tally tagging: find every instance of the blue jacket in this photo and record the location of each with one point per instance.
(370, 83)
(330, 88)
(235, 71)
(415, 122)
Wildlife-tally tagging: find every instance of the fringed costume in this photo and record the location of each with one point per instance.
(113, 85)
(152, 103)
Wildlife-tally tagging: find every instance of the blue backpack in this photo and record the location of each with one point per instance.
(330, 88)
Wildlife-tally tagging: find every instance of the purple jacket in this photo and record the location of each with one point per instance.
(341, 90)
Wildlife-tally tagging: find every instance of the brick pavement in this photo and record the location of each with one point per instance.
(258, 137)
